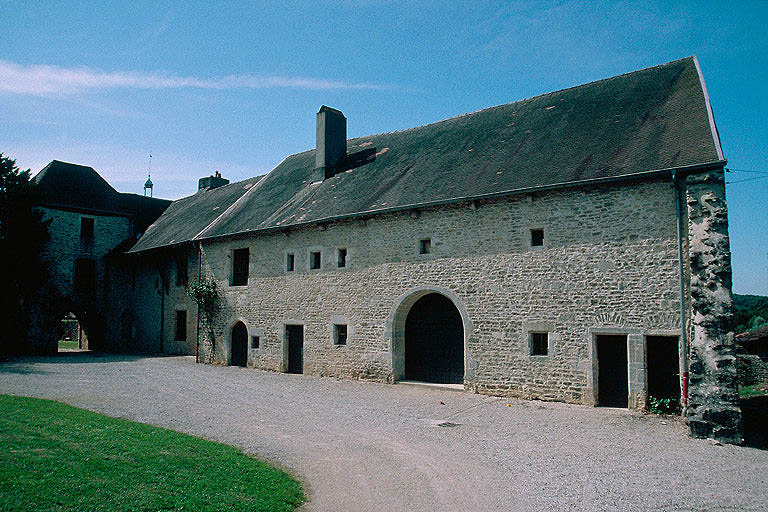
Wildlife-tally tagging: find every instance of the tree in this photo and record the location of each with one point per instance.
(23, 235)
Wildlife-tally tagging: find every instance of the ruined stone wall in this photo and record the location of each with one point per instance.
(713, 400)
(608, 265)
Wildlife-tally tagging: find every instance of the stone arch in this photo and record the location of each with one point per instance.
(238, 337)
(88, 319)
(396, 326)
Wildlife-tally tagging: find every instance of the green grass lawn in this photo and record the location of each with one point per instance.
(68, 344)
(753, 390)
(57, 457)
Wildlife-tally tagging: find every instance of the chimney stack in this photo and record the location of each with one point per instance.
(331, 144)
(211, 182)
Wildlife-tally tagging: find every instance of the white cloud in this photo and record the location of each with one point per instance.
(44, 80)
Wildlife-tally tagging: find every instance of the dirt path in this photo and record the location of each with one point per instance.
(365, 446)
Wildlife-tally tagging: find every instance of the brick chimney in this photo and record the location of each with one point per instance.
(331, 143)
(211, 182)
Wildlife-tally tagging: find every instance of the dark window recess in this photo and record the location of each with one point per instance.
(181, 271)
(86, 228)
(339, 334)
(240, 259)
(425, 246)
(539, 343)
(289, 262)
(537, 237)
(85, 275)
(254, 342)
(181, 325)
(314, 260)
(342, 258)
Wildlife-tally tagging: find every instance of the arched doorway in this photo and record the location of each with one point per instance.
(434, 341)
(239, 345)
(72, 334)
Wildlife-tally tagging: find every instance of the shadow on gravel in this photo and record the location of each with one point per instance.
(31, 364)
(754, 411)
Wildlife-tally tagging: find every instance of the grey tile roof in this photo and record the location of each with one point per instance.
(652, 119)
(70, 186)
(186, 218)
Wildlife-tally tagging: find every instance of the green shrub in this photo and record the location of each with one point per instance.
(664, 405)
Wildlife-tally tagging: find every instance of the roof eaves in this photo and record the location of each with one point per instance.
(686, 169)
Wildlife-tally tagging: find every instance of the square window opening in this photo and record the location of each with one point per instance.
(290, 262)
(539, 343)
(537, 237)
(86, 228)
(342, 258)
(255, 342)
(425, 246)
(182, 274)
(314, 260)
(339, 334)
(240, 261)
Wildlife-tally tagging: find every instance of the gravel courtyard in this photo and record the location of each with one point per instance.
(364, 446)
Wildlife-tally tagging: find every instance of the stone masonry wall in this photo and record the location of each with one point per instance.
(713, 399)
(58, 296)
(608, 265)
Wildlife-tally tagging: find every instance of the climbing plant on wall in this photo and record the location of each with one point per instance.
(205, 293)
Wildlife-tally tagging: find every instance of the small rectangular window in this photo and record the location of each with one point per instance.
(289, 262)
(339, 334)
(539, 343)
(255, 342)
(425, 246)
(537, 237)
(85, 275)
(86, 228)
(240, 262)
(314, 260)
(181, 271)
(342, 258)
(181, 325)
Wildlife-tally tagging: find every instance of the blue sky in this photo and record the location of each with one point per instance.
(234, 86)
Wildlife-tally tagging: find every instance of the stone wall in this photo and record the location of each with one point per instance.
(608, 265)
(713, 399)
(59, 296)
(143, 301)
(752, 370)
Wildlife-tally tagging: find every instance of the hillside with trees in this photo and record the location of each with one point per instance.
(749, 312)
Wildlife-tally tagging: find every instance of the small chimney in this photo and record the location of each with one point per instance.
(331, 144)
(211, 182)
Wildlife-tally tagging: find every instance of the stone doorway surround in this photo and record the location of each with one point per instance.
(396, 327)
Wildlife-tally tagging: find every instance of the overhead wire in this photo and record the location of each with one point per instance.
(763, 175)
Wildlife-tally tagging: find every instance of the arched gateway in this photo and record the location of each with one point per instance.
(429, 334)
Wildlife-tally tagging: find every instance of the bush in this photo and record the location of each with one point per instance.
(664, 405)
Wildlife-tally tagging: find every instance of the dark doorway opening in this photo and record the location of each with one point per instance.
(294, 335)
(434, 341)
(612, 386)
(663, 367)
(72, 335)
(239, 345)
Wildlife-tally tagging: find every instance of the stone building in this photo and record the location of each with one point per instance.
(572, 246)
(546, 248)
(92, 225)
